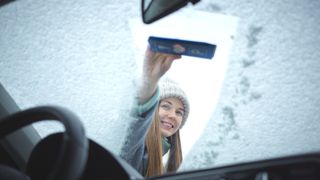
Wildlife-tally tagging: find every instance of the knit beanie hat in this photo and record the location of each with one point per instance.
(171, 89)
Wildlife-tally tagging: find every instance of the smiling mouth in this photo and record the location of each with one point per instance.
(167, 124)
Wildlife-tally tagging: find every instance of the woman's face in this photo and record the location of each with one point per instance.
(171, 112)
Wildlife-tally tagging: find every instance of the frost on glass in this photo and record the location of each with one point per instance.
(267, 106)
(82, 55)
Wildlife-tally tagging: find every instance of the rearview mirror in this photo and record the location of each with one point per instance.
(153, 10)
(5, 2)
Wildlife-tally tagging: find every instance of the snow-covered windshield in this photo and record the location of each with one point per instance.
(257, 98)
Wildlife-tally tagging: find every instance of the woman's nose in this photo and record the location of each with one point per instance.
(171, 114)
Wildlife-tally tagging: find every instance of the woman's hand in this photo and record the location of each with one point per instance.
(154, 67)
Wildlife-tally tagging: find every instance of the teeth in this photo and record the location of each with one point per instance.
(167, 124)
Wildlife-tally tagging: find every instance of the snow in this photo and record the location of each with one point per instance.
(82, 55)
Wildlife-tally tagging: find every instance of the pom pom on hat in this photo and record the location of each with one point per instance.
(169, 89)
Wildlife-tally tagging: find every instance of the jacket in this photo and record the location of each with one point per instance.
(134, 150)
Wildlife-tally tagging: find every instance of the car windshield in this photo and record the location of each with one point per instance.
(257, 98)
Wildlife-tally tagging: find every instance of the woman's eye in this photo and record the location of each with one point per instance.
(179, 113)
(165, 106)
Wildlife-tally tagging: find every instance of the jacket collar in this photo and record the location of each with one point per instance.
(165, 145)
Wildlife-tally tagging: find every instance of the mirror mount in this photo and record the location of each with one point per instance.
(157, 9)
(5, 2)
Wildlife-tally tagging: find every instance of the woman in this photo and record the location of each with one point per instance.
(153, 143)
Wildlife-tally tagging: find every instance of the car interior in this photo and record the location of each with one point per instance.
(71, 155)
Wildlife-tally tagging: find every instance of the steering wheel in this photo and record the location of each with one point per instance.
(73, 154)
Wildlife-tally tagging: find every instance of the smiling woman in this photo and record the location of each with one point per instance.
(201, 79)
(171, 112)
(155, 132)
(173, 98)
(79, 54)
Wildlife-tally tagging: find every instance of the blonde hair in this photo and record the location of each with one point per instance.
(153, 143)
